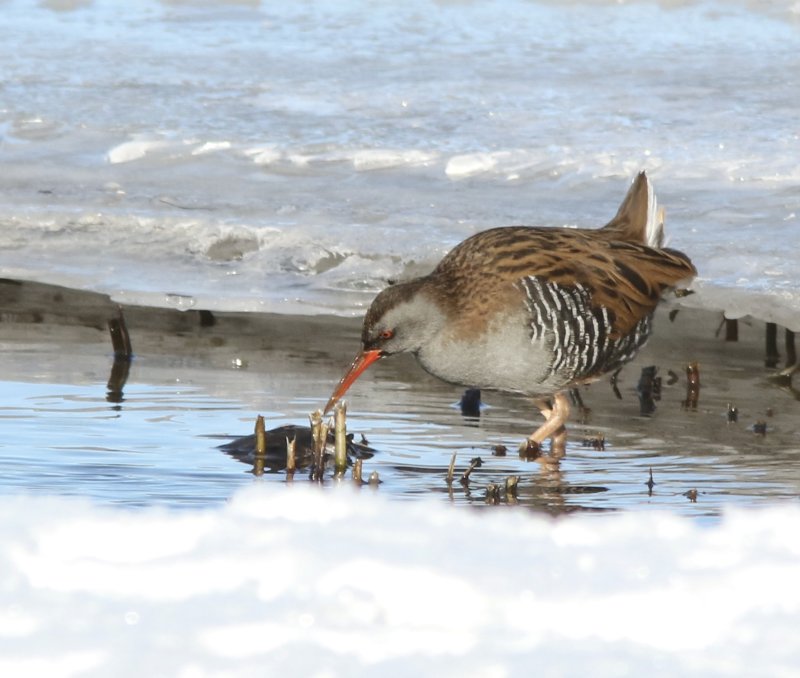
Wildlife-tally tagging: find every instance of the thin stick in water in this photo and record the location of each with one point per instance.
(291, 454)
(261, 447)
(319, 435)
(120, 339)
(475, 462)
(123, 355)
(451, 471)
(340, 440)
(261, 437)
(511, 485)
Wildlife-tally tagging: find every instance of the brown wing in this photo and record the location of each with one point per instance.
(627, 279)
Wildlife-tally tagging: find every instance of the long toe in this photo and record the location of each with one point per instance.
(554, 425)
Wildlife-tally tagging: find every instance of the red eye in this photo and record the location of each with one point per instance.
(386, 334)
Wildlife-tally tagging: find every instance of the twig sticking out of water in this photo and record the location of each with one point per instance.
(791, 350)
(123, 354)
(319, 435)
(357, 471)
(596, 442)
(692, 386)
(452, 469)
(732, 414)
(261, 446)
(120, 339)
(792, 364)
(374, 479)
(649, 390)
(474, 463)
(731, 330)
(511, 486)
(261, 437)
(495, 492)
(650, 483)
(291, 455)
(772, 355)
(340, 440)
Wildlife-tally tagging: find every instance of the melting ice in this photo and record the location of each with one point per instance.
(293, 156)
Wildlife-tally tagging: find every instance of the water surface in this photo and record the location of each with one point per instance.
(192, 388)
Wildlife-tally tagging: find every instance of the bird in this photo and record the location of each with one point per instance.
(532, 310)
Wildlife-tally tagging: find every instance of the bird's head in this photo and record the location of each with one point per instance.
(401, 319)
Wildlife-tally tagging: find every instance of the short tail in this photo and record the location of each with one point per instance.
(638, 219)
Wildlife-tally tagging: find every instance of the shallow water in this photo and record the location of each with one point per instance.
(192, 388)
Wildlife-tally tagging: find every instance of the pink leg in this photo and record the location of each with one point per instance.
(555, 420)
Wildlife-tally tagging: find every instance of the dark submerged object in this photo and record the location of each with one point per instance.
(244, 449)
(470, 403)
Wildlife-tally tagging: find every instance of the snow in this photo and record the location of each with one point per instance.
(302, 581)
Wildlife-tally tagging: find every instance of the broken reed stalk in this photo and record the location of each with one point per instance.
(511, 486)
(731, 330)
(692, 386)
(358, 470)
(650, 483)
(123, 355)
(319, 435)
(261, 437)
(291, 454)
(340, 440)
(772, 355)
(120, 339)
(475, 462)
(261, 446)
(451, 471)
(791, 351)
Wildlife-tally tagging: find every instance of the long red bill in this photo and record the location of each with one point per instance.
(362, 361)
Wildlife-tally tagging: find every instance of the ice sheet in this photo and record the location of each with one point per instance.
(293, 157)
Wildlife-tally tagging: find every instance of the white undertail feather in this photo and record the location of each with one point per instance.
(654, 230)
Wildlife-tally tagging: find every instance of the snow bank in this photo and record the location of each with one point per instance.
(302, 582)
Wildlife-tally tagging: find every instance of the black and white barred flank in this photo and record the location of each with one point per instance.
(578, 334)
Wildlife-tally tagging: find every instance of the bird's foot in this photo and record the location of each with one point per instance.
(553, 427)
(555, 418)
(529, 449)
